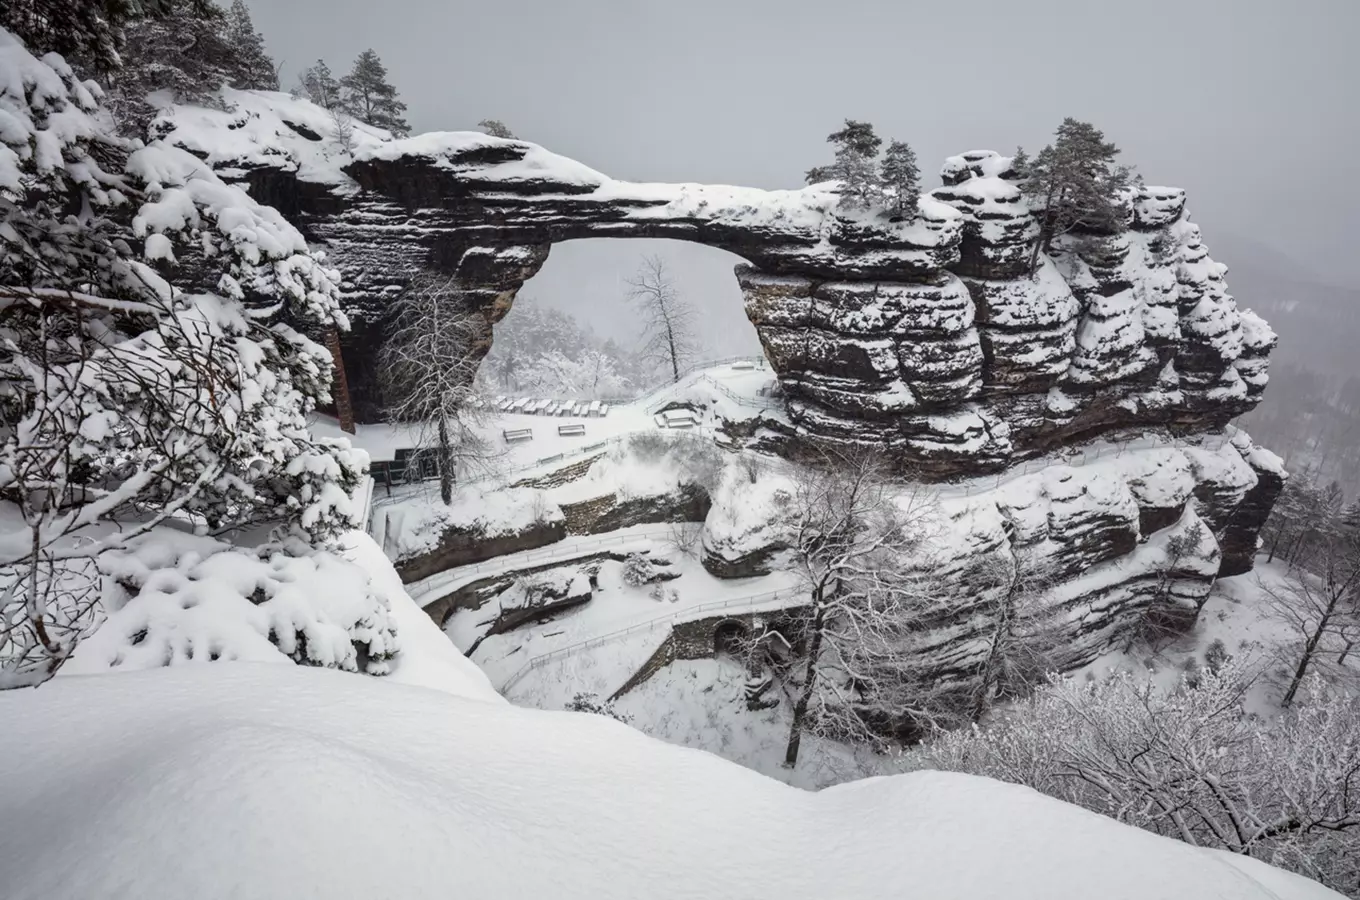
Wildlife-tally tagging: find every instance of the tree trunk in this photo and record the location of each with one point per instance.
(809, 683)
(445, 463)
(675, 363)
(989, 666)
(1309, 648)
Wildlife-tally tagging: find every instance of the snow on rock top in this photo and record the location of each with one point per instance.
(267, 129)
(486, 158)
(284, 782)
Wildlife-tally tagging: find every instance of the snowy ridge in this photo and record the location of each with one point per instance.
(248, 777)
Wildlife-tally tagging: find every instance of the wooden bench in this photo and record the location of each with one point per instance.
(514, 436)
(744, 364)
(575, 429)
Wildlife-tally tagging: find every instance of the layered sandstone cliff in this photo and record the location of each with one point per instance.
(932, 337)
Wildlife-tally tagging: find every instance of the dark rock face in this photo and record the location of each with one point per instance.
(609, 513)
(459, 547)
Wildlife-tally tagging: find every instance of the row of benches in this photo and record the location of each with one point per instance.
(518, 435)
(528, 406)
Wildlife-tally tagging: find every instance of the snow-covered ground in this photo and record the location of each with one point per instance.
(728, 391)
(627, 621)
(243, 780)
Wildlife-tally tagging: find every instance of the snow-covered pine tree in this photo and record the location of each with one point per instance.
(87, 33)
(254, 70)
(496, 128)
(855, 166)
(1019, 164)
(190, 51)
(1074, 183)
(318, 85)
(369, 97)
(128, 397)
(901, 179)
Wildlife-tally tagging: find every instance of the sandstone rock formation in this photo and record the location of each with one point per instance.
(931, 337)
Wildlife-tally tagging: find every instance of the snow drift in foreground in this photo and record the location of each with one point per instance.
(260, 781)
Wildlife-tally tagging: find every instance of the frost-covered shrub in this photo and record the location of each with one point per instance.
(1216, 655)
(649, 446)
(1189, 762)
(177, 599)
(638, 570)
(591, 703)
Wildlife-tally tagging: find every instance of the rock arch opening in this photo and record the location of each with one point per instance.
(729, 638)
(573, 333)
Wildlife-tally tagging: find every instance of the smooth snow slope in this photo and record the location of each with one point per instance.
(259, 781)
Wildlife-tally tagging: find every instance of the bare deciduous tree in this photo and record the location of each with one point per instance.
(427, 368)
(1320, 606)
(854, 538)
(1020, 636)
(668, 319)
(496, 128)
(343, 135)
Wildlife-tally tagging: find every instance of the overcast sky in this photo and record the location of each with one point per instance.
(1250, 105)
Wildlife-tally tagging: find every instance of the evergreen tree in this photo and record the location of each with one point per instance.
(855, 165)
(254, 70)
(1074, 183)
(191, 50)
(369, 97)
(496, 128)
(1019, 164)
(320, 86)
(87, 33)
(134, 391)
(901, 180)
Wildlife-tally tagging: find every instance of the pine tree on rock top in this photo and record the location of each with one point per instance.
(1074, 183)
(855, 166)
(318, 85)
(901, 180)
(189, 52)
(254, 69)
(369, 97)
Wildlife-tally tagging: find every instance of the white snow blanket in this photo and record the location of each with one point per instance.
(263, 781)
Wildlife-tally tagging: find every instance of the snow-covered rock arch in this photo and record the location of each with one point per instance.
(930, 336)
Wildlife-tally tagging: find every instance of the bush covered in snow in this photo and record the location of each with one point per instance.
(1188, 763)
(176, 599)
